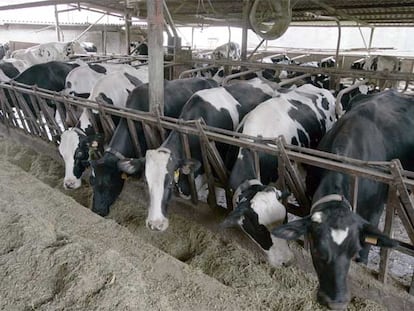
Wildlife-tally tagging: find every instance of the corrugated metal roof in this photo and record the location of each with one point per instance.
(230, 12)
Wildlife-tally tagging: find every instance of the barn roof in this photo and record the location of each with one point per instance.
(230, 12)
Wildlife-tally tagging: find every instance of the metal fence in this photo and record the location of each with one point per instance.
(30, 111)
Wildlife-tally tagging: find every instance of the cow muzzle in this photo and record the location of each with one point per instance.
(337, 304)
(157, 224)
(72, 183)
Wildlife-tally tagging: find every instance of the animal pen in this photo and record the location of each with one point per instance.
(29, 125)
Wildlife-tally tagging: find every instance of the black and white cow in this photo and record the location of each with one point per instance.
(230, 50)
(113, 89)
(165, 167)
(81, 80)
(106, 177)
(50, 76)
(302, 115)
(375, 129)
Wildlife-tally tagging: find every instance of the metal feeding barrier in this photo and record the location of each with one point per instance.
(29, 111)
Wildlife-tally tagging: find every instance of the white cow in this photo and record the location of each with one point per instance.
(46, 52)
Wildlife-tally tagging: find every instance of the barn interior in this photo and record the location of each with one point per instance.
(269, 20)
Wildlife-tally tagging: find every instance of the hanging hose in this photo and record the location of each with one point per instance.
(281, 18)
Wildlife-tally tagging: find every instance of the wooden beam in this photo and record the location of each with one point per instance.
(156, 55)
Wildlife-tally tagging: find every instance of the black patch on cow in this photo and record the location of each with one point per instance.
(134, 80)
(98, 68)
(9, 70)
(294, 141)
(82, 95)
(311, 125)
(302, 138)
(325, 103)
(106, 99)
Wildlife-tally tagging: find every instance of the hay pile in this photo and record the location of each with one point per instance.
(216, 272)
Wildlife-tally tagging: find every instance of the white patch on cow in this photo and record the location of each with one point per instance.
(267, 207)
(317, 217)
(68, 144)
(116, 86)
(219, 98)
(81, 80)
(363, 89)
(279, 254)
(339, 235)
(260, 84)
(240, 155)
(155, 171)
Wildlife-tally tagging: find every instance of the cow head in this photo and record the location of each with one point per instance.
(107, 182)
(336, 235)
(162, 171)
(90, 147)
(255, 207)
(69, 141)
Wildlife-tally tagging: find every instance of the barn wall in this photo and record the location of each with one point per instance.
(46, 33)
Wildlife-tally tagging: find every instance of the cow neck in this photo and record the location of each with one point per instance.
(174, 145)
(330, 198)
(243, 187)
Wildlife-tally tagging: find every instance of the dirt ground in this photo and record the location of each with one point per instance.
(55, 254)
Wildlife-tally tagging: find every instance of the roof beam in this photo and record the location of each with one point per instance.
(88, 4)
(34, 4)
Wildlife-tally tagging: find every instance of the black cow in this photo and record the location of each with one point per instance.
(302, 116)
(106, 177)
(166, 166)
(377, 128)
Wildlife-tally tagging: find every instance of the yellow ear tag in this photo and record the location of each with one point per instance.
(124, 176)
(176, 175)
(371, 240)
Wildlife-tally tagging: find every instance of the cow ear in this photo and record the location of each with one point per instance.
(189, 166)
(371, 235)
(293, 230)
(132, 166)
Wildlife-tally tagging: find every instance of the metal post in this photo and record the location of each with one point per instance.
(57, 24)
(128, 32)
(155, 20)
(246, 6)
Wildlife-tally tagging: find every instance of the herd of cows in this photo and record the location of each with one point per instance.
(375, 127)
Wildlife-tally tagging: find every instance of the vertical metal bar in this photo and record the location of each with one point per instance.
(57, 24)
(211, 199)
(246, 6)
(389, 218)
(134, 136)
(257, 164)
(187, 153)
(155, 20)
(128, 32)
(354, 192)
